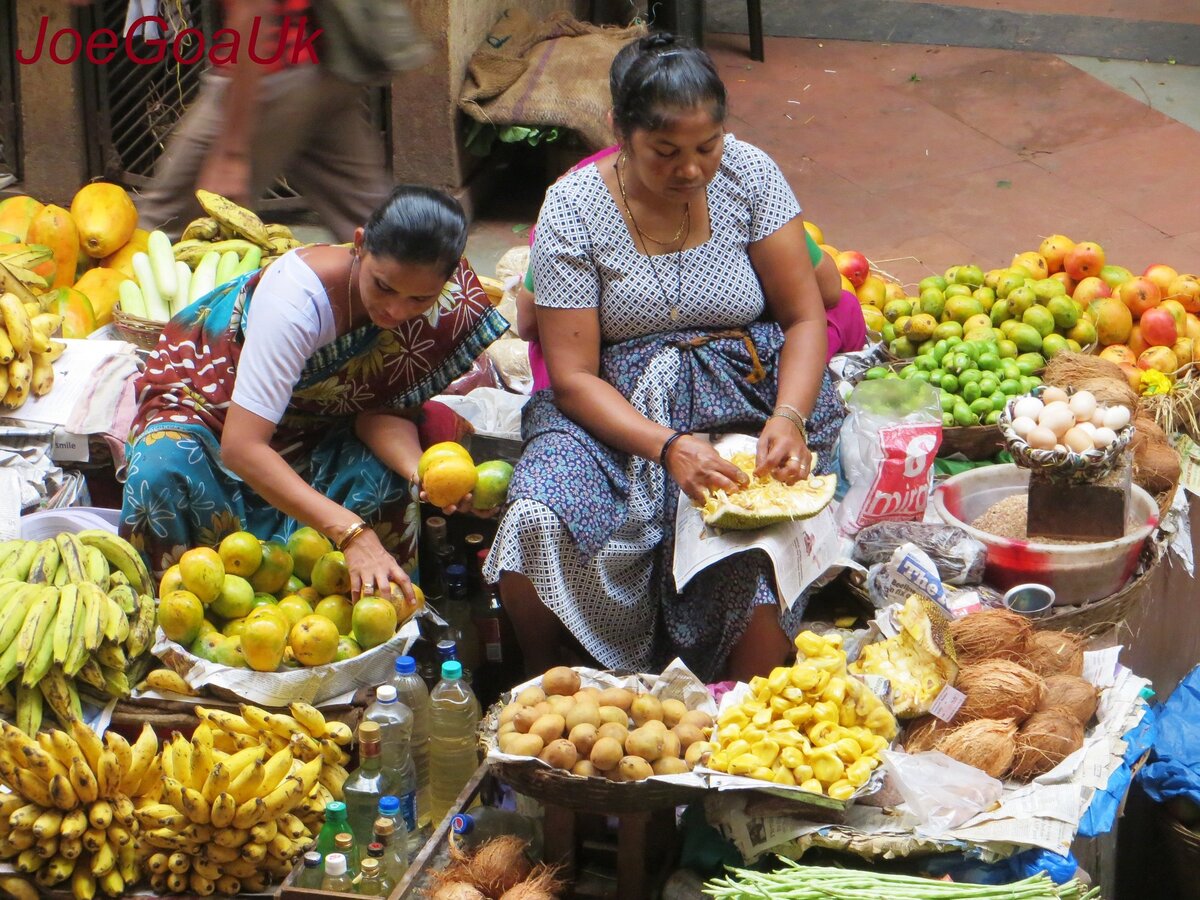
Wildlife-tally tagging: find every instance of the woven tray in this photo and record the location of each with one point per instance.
(973, 442)
(1087, 466)
(138, 331)
(1100, 616)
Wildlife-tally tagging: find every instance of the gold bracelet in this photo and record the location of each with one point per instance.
(350, 534)
(795, 420)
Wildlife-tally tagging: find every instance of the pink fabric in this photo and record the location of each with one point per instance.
(846, 329)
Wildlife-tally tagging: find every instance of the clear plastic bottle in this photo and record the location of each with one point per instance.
(454, 716)
(412, 691)
(395, 738)
(313, 872)
(370, 881)
(347, 845)
(336, 879)
(366, 784)
(472, 830)
(394, 853)
(335, 824)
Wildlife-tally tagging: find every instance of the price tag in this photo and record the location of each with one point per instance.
(948, 703)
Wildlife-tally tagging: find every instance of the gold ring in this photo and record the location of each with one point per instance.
(793, 459)
(368, 586)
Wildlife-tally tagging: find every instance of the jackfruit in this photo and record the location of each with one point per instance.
(765, 501)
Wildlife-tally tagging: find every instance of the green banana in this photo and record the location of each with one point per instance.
(95, 564)
(15, 600)
(45, 563)
(72, 552)
(111, 617)
(60, 576)
(60, 693)
(125, 597)
(17, 566)
(121, 554)
(68, 622)
(91, 673)
(8, 663)
(29, 709)
(7, 549)
(95, 603)
(111, 656)
(116, 682)
(142, 630)
(39, 663)
(38, 622)
(115, 578)
(8, 702)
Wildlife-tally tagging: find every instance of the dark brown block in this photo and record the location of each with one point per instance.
(1064, 510)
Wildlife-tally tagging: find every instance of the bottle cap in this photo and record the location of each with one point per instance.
(405, 665)
(312, 859)
(463, 823)
(447, 649)
(368, 731)
(385, 827)
(456, 570)
(344, 841)
(389, 806)
(370, 866)
(473, 539)
(376, 849)
(451, 670)
(335, 808)
(335, 864)
(385, 693)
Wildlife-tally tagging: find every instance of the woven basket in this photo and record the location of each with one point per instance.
(141, 332)
(1087, 466)
(973, 442)
(1184, 846)
(591, 794)
(1100, 616)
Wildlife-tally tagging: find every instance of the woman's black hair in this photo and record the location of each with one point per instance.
(419, 225)
(658, 75)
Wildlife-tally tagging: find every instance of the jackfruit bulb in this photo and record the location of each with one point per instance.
(765, 501)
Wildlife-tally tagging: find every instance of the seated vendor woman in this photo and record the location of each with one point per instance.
(675, 298)
(298, 395)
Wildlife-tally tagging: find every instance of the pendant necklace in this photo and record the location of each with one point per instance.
(685, 229)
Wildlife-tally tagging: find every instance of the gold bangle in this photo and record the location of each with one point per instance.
(350, 534)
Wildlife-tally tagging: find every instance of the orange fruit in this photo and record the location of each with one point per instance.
(229, 653)
(448, 481)
(272, 576)
(233, 627)
(263, 642)
(311, 594)
(271, 613)
(242, 553)
(374, 621)
(202, 572)
(171, 581)
(338, 610)
(438, 452)
(330, 575)
(206, 645)
(314, 640)
(307, 545)
(179, 615)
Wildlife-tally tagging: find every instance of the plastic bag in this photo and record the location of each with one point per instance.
(960, 559)
(888, 445)
(941, 792)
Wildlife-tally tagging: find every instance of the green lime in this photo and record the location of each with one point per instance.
(1006, 349)
(875, 372)
(970, 391)
(993, 417)
(948, 420)
(999, 401)
(925, 363)
(964, 417)
(1027, 384)
(908, 371)
(921, 375)
(1010, 386)
(982, 406)
(947, 401)
(954, 340)
(932, 281)
(949, 384)
(491, 483)
(989, 383)
(1010, 369)
(989, 362)
(970, 376)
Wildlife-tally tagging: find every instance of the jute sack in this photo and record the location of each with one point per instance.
(548, 73)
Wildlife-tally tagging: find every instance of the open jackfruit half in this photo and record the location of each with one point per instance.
(765, 501)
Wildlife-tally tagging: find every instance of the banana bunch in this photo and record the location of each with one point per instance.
(69, 816)
(224, 820)
(26, 350)
(77, 616)
(305, 734)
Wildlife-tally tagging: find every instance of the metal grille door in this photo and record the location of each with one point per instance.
(10, 150)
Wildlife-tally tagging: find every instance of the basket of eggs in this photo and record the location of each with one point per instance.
(1065, 432)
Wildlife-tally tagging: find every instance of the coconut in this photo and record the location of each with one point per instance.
(990, 634)
(986, 744)
(1156, 466)
(499, 864)
(924, 733)
(1073, 693)
(998, 689)
(1055, 653)
(1103, 379)
(542, 884)
(1047, 738)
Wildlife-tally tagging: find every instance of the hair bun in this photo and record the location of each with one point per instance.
(660, 40)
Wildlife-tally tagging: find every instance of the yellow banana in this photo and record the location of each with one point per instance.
(144, 749)
(119, 836)
(172, 792)
(111, 883)
(204, 229)
(257, 719)
(237, 219)
(254, 853)
(216, 782)
(32, 788)
(94, 838)
(224, 807)
(62, 793)
(88, 743)
(195, 807)
(120, 749)
(263, 832)
(100, 815)
(103, 859)
(339, 732)
(304, 747)
(223, 853)
(201, 886)
(83, 885)
(245, 786)
(206, 868)
(292, 826)
(227, 721)
(166, 680)
(180, 757)
(308, 774)
(152, 781)
(74, 824)
(69, 848)
(20, 379)
(108, 779)
(26, 816)
(47, 825)
(227, 886)
(276, 769)
(176, 883)
(161, 815)
(7, 352)
(156, 863)
(284, 797)
(16, 322)
(127, 862)
(249, 813)
(285, 726)
(123, 811)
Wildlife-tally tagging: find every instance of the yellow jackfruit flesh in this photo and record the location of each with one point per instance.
(765, 501)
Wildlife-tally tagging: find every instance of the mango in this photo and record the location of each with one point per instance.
(79, 319)
(105, 218)
(55, 228)
(17, 214)
(100, 285)
(122, 259)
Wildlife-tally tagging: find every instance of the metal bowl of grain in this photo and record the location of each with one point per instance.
(991, 504)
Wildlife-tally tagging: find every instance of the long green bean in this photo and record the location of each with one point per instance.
(798, 882)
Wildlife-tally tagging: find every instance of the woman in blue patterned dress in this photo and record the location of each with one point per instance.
(675, 298)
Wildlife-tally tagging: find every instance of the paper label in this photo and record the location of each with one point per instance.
(948, 703)
(69, 447)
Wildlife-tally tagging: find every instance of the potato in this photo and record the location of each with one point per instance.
(592, 694)
(561, 754)
(509, 712)
(670, 745)
(584, 713)
(549, 727)
(606, 754)
(698, 753)
(612, 730)
(634, 768)
(585, 769)
(584, 737)
(531, 696)
(645, 708)
(560, 680)
(522, 744)
(687, 734)
(697, 717)
(616, 697)
(542, 709)
(525, 718)
(669, 765)
(614, 714)
(646, 743)
(507, 728)
(657, 724)
(560, 705)
(672, 712)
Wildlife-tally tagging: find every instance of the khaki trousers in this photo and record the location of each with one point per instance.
(310, 128)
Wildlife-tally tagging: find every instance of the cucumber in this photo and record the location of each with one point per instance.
(132, 301)
(227, 265)
(204, 279)
(162, 263)
(183, 276)
(250, 262)
(156, 307)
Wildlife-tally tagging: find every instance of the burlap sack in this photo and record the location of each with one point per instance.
(548, 73)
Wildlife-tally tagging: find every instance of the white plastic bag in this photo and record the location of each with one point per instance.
(940, 791)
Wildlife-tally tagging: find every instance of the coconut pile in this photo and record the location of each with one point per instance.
(1027, 704)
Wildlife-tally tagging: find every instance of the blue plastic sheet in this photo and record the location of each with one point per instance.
(1174, 766)
(1101, 813)
(964, 869)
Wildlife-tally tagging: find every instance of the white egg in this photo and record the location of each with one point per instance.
(1078, 440)
(1022, 425)
(1058, 418)
(1098, 416)
(1027, 407)
(1041, 439)
(1088, 427)
(1116, 417)
(1054, 395)
(1103, 437)
(1083, 405)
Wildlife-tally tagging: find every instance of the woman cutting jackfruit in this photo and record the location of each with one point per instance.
(675, 297)
(299, 395)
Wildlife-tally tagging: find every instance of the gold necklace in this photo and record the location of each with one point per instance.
(685, 222)
(672, 307)
(350, 293)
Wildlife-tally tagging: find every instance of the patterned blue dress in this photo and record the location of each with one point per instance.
(592, 528)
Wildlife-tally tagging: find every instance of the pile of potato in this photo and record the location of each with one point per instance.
(613, 733)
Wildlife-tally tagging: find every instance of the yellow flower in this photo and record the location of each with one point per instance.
(1155, 382)
(224, 523)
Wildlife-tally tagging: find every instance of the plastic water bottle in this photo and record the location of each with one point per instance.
(366, 784)
(453, 719)
(313, 872)
(393, 854)
(335, 824)
(395, 737)
(336, 879)
(413, 693)
(472, 830)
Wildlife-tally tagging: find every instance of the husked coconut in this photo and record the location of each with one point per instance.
(998, 689)
(990, 634)
(987, 744)
(1047, 738)
(1055, 653)
(1073, 693)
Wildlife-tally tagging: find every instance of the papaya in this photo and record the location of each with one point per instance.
(45, 269)
(55, 228)
(100, 286)
(105, 217)
(79, 319)
(122, 259)
(17, 214)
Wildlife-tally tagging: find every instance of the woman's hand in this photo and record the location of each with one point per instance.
(375, 571)
(465, 505)
(782, 452)
(698, 468)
